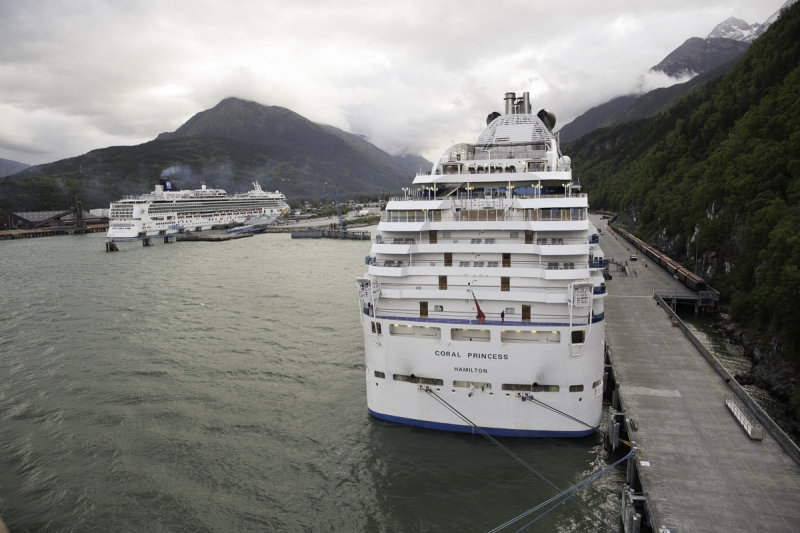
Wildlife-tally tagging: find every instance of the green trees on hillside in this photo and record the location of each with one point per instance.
(719, 175)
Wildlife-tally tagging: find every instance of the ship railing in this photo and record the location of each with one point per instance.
(490, 318)
(541, 265)
(539, 241)
(479, 215)
(490, 215)
(501, 196)
(456, 287)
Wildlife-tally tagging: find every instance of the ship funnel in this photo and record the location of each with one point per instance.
(526, 103)
(510, 98)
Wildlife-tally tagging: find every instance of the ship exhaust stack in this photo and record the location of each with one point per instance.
(526, 103)
(510, 98)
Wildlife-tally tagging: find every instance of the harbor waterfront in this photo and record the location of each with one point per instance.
(219, 386)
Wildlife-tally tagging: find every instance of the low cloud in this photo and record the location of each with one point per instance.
(411, 76)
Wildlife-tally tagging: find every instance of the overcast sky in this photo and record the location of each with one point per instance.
(411, 75)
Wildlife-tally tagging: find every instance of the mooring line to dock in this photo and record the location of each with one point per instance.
(572, 491)
(530, 398)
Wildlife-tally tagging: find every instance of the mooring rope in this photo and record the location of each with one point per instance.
(530, 398)
(572, 491)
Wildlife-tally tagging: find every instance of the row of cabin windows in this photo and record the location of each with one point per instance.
(484, 386)
(577, 336)
(564, 214)
(433, 238)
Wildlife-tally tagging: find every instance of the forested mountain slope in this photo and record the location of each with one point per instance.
(720, 171)
(228, 146)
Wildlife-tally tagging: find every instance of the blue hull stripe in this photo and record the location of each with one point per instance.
(497, 432)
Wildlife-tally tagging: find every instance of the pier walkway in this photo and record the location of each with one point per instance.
(699, 468)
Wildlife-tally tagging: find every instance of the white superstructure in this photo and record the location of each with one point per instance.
(168, 210)
(484, 290)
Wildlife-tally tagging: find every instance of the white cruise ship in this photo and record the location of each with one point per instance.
(168, 210)
(482, 304)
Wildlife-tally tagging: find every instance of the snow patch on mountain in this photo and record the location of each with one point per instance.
(736, 29)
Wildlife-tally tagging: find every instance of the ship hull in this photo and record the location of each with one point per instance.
(483, 385)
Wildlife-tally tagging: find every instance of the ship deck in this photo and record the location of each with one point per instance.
(699, 468)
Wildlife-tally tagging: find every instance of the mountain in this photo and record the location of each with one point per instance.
(228, 146)
(701, 59)
(8, 167)
(629, 108)
(697, 55)
(727, 42)
(738, 30)
(717, 176)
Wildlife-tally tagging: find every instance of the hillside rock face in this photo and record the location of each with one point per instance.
(697, 55)
(737, 29)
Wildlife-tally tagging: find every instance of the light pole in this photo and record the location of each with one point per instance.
(675, 295)
(696, 246)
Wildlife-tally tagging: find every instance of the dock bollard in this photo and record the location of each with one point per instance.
(632, 464)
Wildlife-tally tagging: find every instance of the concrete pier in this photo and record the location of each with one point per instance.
(699, 468)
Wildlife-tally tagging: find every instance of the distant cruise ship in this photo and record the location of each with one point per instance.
(168, 210)
(482, 304)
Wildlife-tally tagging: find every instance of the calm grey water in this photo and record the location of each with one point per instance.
(219, 387)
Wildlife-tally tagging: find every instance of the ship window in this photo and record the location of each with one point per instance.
(379, 374)
(597, 383)
(576, 388)
(505, 283)
(517, 335)
(526, 313)
(423, 309)
(474, 335)
(473, 384)
(442, 283)
(506, 260)
(373, 327)
(514, 234)
(578, 336)
(535, 387)
(510, 311)
(448, 259)
(415, 331)
(438, 308)
(517, 387)
(378, 327)
(415, 379)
